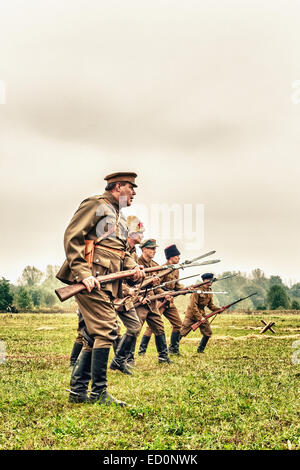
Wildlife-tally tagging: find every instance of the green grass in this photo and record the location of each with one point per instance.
(243, 393)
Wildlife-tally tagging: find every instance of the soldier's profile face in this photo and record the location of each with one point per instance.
(150, 252)
(127, 194)
(174, 259)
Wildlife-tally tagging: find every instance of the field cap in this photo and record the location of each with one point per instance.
(149, 243)
(122, 176)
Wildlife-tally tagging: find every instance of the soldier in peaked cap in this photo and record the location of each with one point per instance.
(95, 243)
(168, 308)
(196, 311)
(149, 311)
(124, 358)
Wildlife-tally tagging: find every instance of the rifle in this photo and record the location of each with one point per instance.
(167, 269)
(175, 293)
(216, 312)
(199, 284)
(64, 293)
(187, 263)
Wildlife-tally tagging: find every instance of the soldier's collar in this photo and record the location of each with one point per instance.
(112, 199)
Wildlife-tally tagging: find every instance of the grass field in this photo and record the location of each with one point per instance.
(243, 393)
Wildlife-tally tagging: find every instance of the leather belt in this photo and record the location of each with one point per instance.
(121, 253)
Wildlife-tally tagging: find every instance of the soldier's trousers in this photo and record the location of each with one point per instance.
(131, 322)
(187, 326)
(99, 316)
(171, 313)
(153, 319)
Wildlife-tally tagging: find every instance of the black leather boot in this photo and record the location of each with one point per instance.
(81, 375)
(143, 345)
(119, 361)
(116, 343)
(99, 392)
(77, 347)
(202, 344)
(174, 343)
(130, 358)
(161, 346)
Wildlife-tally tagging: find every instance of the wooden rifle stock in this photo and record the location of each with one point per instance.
(64, 293)
(198, 323)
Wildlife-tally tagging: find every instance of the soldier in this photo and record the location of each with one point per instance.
(168, 309)
(123, 355)
(196, 311)
(149, 310)
(98, 233)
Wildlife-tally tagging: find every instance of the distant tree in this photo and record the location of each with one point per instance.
(50, 299)
(50, 282)
(295, 305)
(24, 299)
(295, 290)
(260, 307)
(31, 276)
(258, 274)
(278, 297)
(6, 297)
(275, 281)
(36, 295)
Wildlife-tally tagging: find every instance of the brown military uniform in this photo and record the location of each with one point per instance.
(128, 315)
(95, 216)
(169, 310)
(150, 312)
(196, 311)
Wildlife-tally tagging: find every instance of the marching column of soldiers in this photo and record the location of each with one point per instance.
(99, 241)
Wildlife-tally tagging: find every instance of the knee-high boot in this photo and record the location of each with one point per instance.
(202, 344)
(119, 361)
(161, 346)
(80, 377)
(143, 345)
(130, 357)
(77, 347)
(99, 392)
(174, 343)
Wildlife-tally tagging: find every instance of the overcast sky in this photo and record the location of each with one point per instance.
(195, 96)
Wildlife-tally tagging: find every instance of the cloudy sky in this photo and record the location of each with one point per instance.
(200, 98)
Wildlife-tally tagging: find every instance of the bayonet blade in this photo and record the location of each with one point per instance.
(199, 257)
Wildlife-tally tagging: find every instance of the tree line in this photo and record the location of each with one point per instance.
(35, 290)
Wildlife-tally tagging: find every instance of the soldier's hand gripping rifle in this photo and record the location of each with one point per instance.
(166, 269)
(64, 293)
(216, 312)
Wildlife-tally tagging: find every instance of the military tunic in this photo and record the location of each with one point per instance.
(196, 311)
(149, 312)
(96, 216)
(169, 310)
(128, 315)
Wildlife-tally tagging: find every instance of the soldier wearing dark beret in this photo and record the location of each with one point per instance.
(168, 309)
(196, 311)
(95, 243)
